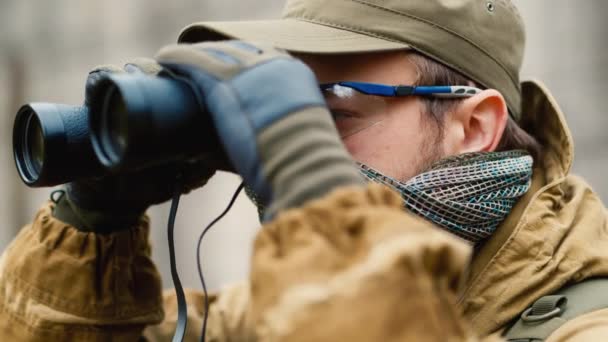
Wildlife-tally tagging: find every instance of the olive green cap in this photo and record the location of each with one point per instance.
(482, 39)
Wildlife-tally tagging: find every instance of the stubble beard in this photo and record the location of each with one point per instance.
(431, 149)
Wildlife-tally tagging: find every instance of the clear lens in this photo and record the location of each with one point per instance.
(114, 125)
(35, 146)
(353, 111)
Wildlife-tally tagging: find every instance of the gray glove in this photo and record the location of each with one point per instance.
(271, 118)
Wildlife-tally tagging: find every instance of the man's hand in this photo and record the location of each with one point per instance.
(270, 117)
(116, 202)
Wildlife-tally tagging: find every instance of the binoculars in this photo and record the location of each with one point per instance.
(132, 122)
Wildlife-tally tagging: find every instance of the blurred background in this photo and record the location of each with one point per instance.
(47, 47)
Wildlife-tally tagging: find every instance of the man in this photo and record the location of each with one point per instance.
(480, 168)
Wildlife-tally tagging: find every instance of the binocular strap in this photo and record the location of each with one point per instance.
(182, 311)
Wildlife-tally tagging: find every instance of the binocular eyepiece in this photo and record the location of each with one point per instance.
(133, 121)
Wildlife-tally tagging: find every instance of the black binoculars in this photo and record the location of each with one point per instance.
(133, 121)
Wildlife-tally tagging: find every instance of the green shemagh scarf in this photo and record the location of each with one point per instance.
(468, 195)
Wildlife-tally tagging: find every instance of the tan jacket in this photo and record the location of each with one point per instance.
(352, 266)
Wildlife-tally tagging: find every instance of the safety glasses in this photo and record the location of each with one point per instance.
(356, 106)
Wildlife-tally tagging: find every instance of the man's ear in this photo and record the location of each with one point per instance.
(477, 124)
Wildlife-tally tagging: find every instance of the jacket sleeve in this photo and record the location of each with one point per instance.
(353, 266)
(350, 266)
(60, 284)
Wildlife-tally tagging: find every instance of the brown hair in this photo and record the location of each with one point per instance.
(431, 72)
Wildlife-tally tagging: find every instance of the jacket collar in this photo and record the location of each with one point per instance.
(536, 251)
(544, 120)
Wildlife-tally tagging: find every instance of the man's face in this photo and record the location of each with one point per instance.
(401, 141)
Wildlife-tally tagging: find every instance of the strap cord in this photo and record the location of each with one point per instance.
(182, 311)
(198, 256)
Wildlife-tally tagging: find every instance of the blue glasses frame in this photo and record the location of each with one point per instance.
(405, 90)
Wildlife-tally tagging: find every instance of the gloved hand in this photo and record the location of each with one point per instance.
(270, 117)
(116, 202)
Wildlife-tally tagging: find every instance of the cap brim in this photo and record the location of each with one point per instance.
(291, 35)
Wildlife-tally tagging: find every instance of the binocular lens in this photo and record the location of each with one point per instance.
(51, 144)
(114, 125)
(34, 146)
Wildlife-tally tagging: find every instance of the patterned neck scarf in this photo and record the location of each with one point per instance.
(468, 195)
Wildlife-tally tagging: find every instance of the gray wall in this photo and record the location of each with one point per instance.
(47, 47)
(567, 48)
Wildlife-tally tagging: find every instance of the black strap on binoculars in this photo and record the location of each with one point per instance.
(198, 253)
(182, 311)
